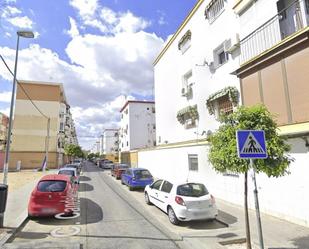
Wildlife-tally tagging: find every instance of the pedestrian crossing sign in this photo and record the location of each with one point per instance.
(251, 144)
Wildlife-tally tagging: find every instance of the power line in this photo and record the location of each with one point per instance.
(6, 65)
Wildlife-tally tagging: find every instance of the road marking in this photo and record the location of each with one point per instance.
(62, 232)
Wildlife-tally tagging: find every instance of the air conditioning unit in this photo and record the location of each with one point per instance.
(231, 44)
(184, 91)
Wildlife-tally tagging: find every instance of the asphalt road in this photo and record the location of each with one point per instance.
(109, 218)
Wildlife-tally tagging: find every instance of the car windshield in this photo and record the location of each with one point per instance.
(192, 190)
(66, 172)
(52, 186)
(144, 173)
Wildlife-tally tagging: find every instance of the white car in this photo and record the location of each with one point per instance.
(182, 201)
(73, 172)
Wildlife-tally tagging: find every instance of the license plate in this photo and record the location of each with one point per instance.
(48, 210)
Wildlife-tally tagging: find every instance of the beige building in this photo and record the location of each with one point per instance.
(30, 126)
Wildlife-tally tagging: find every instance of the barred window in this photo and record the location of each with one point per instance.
(214, 9)
(193, 162)
(225, 105)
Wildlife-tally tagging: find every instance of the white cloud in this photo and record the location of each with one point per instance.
(5, 97)
(21, 22)
(85, 7)
(5, 111)
(73, 30)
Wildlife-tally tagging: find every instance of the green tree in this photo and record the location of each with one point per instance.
(223, 150)
(72, 150)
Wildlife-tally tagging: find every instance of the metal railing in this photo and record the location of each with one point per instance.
(288, 21)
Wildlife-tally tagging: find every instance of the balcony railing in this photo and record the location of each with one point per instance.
(289, 20)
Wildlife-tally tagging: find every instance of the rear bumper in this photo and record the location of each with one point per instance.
(185, 214)
(37, 210)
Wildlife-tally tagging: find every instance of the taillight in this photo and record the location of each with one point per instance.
(212, 198)
(180, 201)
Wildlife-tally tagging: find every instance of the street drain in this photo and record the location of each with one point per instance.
(62, 232)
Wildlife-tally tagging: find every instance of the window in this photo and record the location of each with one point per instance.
(61, 127)
(214, 9)
(225, 105)
(157, 184)
(220, 56)
(51, 186)
(187, 82)
(185, 42)
(127, 143)
(193, 162)
(142, 174)
(147, 108)
(153, 126)
(166, 187)
(153, 110)
(192, 190)
(126, 111)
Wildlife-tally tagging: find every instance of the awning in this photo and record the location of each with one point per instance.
(232, 93)
(189, 112)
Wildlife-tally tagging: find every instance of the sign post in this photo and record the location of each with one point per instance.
(251, 144)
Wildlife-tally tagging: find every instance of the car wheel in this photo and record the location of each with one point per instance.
(131, 188)
(172, 216)
(147, 199)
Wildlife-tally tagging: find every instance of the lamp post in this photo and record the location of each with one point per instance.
(3, 193)
(25, 34)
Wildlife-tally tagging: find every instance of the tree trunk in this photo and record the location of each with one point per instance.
(248, 238)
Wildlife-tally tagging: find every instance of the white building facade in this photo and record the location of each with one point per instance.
(137, 125)
(193, 84)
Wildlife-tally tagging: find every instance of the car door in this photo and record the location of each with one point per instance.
(164, 195)
(126, 176)
(154, 192)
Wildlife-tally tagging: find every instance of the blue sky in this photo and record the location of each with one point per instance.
(102, 51)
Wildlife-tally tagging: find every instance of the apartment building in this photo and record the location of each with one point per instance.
(29, 133)
(274, 71)
(137, 129)
(225, 54)
(193, 85)
(4, 123)
(109, 144)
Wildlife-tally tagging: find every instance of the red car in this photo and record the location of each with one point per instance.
(50, 194)
(118, 169)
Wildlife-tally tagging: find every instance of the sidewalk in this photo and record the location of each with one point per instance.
(20, 185)
(277, 233)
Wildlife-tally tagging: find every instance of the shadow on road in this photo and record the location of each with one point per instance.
(90, 212)
(300, 243)
(85, 187)
(84, 178)
(203, 224)
(226, 217)
(32, 235)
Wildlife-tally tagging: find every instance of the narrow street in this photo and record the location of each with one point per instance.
(109, 219)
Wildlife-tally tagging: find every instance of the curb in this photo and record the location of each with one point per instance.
(8, 236)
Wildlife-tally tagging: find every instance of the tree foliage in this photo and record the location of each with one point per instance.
(223, 150)
(73, 150)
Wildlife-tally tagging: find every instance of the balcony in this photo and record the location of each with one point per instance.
(293, 16)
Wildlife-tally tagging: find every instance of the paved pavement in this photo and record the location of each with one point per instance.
(129, 223)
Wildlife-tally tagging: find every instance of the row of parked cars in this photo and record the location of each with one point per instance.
(49, 195)
(182, 201)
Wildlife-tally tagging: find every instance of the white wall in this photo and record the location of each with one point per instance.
(141, 131)
(169, 70)
(109, 140)
(284, 197)
(140, 120)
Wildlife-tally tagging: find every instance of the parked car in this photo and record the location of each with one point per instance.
(118, 169)
(72, 172)
(48, 197)
(77, 167)
(136, 178)
(106, 164)
(182, 201)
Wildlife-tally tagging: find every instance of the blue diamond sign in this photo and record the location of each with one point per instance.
(251, 144)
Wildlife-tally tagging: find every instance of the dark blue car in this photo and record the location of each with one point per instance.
(136, 178)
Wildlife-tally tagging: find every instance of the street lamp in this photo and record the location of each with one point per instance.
(4, 187)
(25, 34)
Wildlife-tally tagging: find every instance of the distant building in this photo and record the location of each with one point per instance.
(109, 142)
(4, 122)
(30, 126)
(137, 127)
